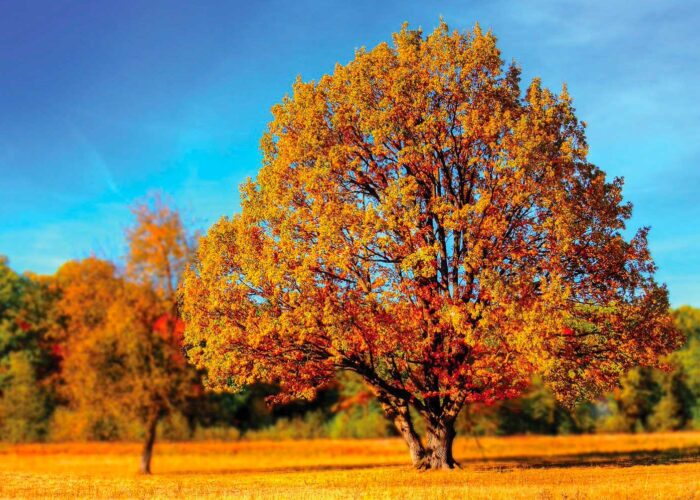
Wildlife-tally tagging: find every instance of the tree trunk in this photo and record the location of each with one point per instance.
(440, 432)
(147, 453)
(400, 415)
(405, 427)
(440, 436)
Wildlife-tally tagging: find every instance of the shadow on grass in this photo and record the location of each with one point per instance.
(591, 459)
(294, 468)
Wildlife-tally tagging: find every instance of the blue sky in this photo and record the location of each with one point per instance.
(102, 102)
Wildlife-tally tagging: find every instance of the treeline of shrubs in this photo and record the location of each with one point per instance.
(94, 353)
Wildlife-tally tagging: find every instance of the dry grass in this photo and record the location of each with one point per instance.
(622, 466)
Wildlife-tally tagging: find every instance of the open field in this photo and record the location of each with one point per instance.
(622, 466)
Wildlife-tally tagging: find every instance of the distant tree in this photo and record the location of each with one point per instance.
(422, 223)
(357, 414)
(684, 383)
(662, 400)
(123, 333)
(159, 250)
(28, 360)
(91, 365)
(23, 405)
(674, 409)
(688, 320)
(632, 404)
(537, 411)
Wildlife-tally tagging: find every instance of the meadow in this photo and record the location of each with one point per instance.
(664, 465)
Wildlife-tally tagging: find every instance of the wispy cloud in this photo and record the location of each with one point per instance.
(93, 162)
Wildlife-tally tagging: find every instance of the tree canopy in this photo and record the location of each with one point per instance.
(421, 220)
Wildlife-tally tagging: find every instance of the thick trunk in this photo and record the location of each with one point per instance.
(440, 436)
(405, 427)
(147, 453)
(400, 415)
(440, 432)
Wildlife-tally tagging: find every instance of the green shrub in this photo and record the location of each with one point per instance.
(309, 426)
(174, 427)
(217, 433)
(360, 421)
(23, 406)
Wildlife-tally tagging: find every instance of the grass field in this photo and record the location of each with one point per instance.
(603, 466)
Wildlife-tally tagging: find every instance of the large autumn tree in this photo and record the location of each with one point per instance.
(423, 222)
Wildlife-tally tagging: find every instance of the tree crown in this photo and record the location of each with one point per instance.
(422, 221)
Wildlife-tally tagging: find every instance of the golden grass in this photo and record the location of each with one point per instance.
(604, 466)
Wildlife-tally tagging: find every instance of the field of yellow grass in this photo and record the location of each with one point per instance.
(602, 466)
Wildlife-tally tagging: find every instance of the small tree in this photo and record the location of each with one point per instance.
(123, 335)
(422, 223)
(159, 251)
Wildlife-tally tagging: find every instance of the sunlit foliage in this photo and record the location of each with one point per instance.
(423, 221)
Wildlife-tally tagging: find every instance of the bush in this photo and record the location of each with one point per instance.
(310, 426)
(69, 426)
(23, 405)
(361, 421)
(174, 427)
(218, 433)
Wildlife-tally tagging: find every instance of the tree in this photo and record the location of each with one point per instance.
(674, 409)
(688, 359)
(661, 400)
(632, 404)
(28, 360)
(685, 380)
(422, 223)
(90, 367)
(123, 335)
(159, 250)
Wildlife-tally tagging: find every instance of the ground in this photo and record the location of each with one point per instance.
(601, 466)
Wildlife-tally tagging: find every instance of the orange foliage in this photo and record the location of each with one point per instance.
(421, 221)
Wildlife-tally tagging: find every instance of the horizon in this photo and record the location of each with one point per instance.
(104, 103)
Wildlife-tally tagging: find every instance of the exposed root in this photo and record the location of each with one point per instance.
(429, 463)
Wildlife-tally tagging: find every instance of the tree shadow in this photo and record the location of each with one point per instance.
(591, 459)
(588, 459)
(294, 468)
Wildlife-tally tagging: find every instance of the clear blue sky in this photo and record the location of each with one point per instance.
(102, 102)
